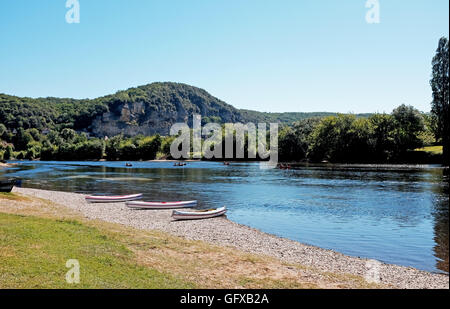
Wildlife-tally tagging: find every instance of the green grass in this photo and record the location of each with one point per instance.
(431, 149)
(12, 197)
(34, 251)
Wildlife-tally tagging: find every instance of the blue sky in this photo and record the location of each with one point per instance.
(286, 55)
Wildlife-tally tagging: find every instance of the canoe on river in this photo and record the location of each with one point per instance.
(200, 214)
(113, 198)
(161, 205)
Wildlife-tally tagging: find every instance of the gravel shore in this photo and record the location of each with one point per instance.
(221, 231)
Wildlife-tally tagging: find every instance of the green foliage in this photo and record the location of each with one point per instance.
(408, 123)
(339, 139)
(286, 118)
(3, 130)
(294, 141)
(9, 154)
(440, 84)
(90, 150)
(148, 147)
(48, 153)
(170, 102)
(51, 113)
(21, 139)
(165, 146)
(68, 135)
(347, 138)
(112, 149)
(33, 151)
(131, 149)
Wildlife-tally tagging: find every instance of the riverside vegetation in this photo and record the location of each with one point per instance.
(340, 138)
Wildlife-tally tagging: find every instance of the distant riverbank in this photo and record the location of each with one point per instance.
(6, 165)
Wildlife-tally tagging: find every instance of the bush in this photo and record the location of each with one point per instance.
(9, 154)
(20, 155)
(90, 150)
(48, 153)
(148, 147)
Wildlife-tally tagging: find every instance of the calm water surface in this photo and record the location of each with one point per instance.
(394, 214)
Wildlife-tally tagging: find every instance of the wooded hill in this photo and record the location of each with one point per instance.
(147, 110)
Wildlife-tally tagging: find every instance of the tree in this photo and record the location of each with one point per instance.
(294, 141)
(90, 150)
(34, 134)
(128, 151)
(289, 145)
(342, 138)
(148, 147)
(382, 136)
(408, 123)
(22, 139)
(113, 148)
(68, 135)
(440, 87)
(165, 145)
(2, 130)
(8, 153)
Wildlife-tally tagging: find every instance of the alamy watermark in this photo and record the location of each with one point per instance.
(225, 142)
(73, 14)
(373, 14)
(73, 275)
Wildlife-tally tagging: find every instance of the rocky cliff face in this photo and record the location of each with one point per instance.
(133, 120)
(156, 107)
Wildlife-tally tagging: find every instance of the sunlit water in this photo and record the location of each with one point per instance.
(394, 214)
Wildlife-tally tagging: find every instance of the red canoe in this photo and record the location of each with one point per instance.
(113, 199)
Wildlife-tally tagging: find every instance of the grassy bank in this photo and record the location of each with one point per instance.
(38, 237)
(34, 252)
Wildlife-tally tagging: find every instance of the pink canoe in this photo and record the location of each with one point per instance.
(162, 205)
(113, 199)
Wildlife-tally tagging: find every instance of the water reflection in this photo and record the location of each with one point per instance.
(397, 214)
(441, 228)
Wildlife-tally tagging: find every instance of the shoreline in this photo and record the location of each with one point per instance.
(295, 163)
(6, 165)
(223, 232)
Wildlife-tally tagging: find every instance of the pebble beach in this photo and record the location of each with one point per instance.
(223, 232)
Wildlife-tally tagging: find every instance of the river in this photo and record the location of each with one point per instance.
(396, 214)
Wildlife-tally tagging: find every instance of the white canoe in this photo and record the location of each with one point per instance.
(200, 214)
(161, 205)
(112, 198)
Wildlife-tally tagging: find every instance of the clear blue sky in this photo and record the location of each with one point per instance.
(296, 55)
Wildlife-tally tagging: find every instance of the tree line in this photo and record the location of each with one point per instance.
(341, 138)
(346, 138)
(69, 145)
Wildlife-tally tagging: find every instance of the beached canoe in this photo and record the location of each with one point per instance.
(113, 199)
(6, 185)
(200, 214)
(161, 205)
